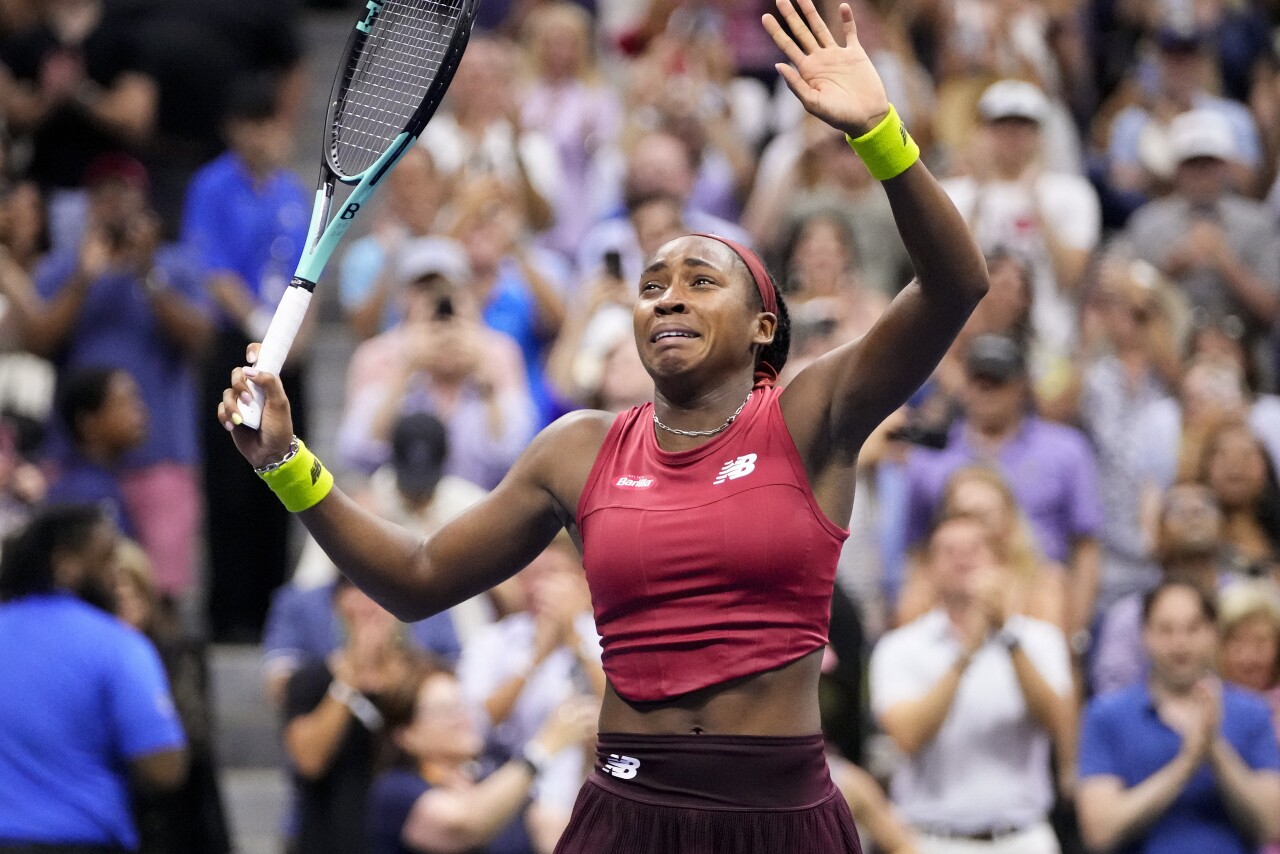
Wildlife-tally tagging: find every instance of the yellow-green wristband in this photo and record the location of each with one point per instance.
(887, 149)
(300, 480)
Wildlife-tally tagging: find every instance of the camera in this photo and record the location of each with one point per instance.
(444, 308)
(925, 435)
(613, 264)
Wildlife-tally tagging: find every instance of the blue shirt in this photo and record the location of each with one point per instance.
(255, 230)
(302, 626)
(81, 694)
(117, 328)
(511, 308)
(1124, 737)
(81, 481)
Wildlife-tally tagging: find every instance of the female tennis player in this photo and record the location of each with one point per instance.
(709, 520)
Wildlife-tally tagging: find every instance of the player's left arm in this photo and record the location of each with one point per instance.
(835, 403)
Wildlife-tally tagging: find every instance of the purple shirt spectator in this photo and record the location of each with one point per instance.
(1050, 468)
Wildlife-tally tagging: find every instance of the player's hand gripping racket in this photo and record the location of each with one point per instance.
(399, 61)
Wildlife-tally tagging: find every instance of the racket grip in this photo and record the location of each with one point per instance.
(275, 345)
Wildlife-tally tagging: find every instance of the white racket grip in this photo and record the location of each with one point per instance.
(275, 346)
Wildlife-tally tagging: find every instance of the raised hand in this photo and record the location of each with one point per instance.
(837, 84)
(270, 442)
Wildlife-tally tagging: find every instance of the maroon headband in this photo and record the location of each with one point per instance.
(764, 282)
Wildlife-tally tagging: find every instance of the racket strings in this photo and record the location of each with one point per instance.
(389, 77)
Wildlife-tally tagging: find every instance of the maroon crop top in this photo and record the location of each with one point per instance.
(708, 564)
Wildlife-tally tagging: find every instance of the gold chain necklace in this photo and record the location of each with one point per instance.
(720, 429)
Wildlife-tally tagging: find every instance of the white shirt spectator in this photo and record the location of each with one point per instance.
(988, 766)
(495, 154)
(1001, 215)
(504, 650)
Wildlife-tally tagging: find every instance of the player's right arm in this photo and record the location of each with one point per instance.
(412, 577)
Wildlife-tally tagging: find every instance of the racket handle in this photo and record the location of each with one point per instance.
(275, 345)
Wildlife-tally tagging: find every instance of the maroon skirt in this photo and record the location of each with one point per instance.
(699, 794)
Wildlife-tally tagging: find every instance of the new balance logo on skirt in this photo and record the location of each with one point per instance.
(622, 767)
(734, 469)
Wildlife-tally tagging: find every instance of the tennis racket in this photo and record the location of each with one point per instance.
(399, 60)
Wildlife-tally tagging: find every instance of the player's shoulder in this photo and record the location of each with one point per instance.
(580, 431)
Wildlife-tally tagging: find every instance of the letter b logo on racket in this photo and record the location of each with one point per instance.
(350, 211)
(622, 767)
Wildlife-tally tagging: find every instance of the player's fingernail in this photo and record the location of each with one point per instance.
(250, 372)
(229, 426)
(252, 357)
(236, 419)
(246, 398)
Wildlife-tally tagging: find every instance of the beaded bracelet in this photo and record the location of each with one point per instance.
(299, 480)
(887, 149)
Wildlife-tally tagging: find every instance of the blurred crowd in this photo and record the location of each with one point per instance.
(1057, 622)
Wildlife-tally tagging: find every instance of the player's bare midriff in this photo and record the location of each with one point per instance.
(778, 702)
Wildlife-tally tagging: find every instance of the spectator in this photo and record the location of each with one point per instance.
(246, 219)
(568, 103)
(103, 413)
(85, 709)
(1179, 761)
(25, 231)
(195, 51)
(432, 802)
(414, 194)
(1135, 365)
(1234, 465)
(681, 85)
(1213, 242)
(1249, 623)
(441, 359)
(1142, 146)
(479, 134)
(1034, 586)
(1050, 468)
(828, 302)
(302, 629)
(515, 693)
(126, 301)
(1008, 309)
(800, 173)
(659, 163)
(973, 695)
(76, 84)
(601, 316)
(1012, 201)
(1189, 547)
(516, 672)
(331, 724)
(513, 284)
(411, 490)
(189, 819)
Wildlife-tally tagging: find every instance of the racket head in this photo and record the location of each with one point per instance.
(400, 59)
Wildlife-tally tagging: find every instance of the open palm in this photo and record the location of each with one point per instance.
(837, 84)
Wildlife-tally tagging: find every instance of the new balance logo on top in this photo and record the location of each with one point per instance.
(622, 767)
(734, 469)
(634, 482)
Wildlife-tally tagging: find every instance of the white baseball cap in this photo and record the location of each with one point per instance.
(1201, 133)
(1013, 99)
(423, 256)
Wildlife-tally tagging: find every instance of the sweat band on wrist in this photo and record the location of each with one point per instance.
(300, 482)
(887, 149)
